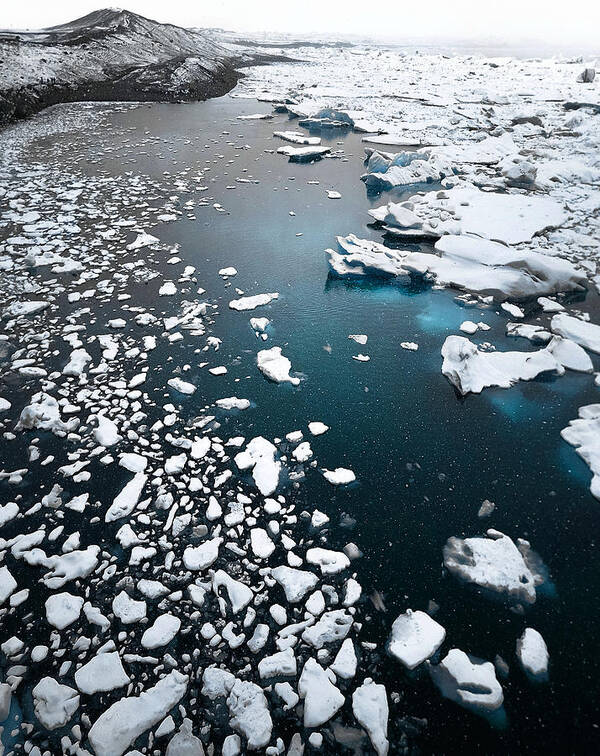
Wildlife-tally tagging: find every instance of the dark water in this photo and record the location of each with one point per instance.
(385, 415)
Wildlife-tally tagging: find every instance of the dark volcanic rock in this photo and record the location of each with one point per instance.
(111, 55)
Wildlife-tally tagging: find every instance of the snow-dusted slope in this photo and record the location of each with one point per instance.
(110, 55)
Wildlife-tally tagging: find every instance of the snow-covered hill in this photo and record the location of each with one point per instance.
(110, 55)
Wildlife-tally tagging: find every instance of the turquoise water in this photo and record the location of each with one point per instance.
(424, 458)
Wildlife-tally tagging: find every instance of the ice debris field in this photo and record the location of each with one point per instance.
(164, 587)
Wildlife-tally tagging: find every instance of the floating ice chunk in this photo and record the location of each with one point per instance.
(77, 362)
(297, 137)
(352, 591)
(184, 743)
(286, 693)
(4, 404)
(549, 305)
(492, 269)
(255, 117)
(65, 567)
(220, 370)
(182, 386)
(405, 169)
(128, 610)
(54, 704)
(361, 357)
(44, 413)
(281, 664)
(303, 452)
(168, 289)
(274, 366)
(345, 663)
(570, 355)
(217, 683)
(341, 476)
(262, 545)
(584, 434)
(123, 722)
(7, 584)
(228, 272)
(464, 209)
(175, 464)
(321, 697)
(469, 327)
(359, 338)
(126, 501)
(513, 310)
(532, 653)
(331, 194)
(250, 714)
(410, 346)
(106, 432)
(162, 632)
(240, 595)
(24, 309)
(259, 456)
(143, 240)
(468, 681)
(200, 447)
(203, 556)
(233, 403)
(102, 673)
(581, 332)
(251, 303)
(330, 562)
(133, 462)
(317, 428)
(415, 637)
(397, 214)
(259, 324)
(303, 154)
(296, 583)
(494, 563)
(535, 334)
(370, 707)
(63, 609)
(472, 370)
(331, 626)
(359, 258)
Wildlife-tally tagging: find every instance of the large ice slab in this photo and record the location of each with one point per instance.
(493, 562)
(116, 729)
(584, 434)
(414, 638)
(468, 681)
(580, 331)
(489, 268)
(465, 209)
(471, 370)
(358, 258)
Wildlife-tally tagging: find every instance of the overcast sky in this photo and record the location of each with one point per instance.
(552, 21)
